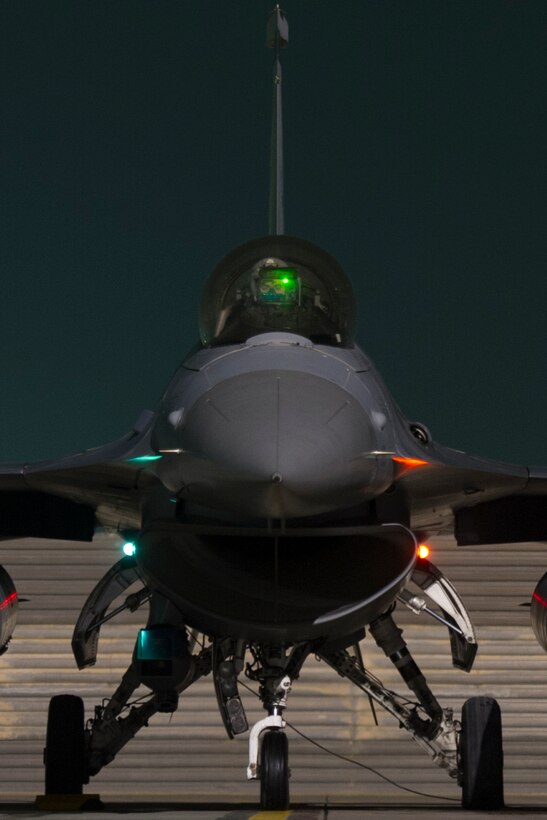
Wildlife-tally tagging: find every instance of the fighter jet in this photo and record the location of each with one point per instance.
(275, 500)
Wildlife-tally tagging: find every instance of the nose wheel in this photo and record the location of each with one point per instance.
(274, 771)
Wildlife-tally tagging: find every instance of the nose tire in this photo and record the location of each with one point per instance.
(274, 771)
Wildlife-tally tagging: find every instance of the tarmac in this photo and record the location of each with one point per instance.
(170, 811)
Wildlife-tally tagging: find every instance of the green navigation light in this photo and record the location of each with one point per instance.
(143, 459)
(129, 548)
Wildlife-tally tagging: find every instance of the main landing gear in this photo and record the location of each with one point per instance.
(168, 658)
(481, 755)
(64, 755)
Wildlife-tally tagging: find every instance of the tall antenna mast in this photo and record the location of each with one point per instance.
(277, 37)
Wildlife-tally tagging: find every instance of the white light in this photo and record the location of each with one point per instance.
(129, 548)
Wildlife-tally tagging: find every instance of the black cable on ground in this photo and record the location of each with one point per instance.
(356, 762)
(368, 768)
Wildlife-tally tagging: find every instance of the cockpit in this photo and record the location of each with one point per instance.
(277, 283)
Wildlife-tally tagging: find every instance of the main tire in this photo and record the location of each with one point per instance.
(64, 755)
(481, 754)
(274, 771)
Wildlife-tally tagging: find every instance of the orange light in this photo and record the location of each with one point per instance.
(409, 462)
(423, 551)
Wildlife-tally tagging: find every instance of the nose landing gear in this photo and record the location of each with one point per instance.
(275, 670)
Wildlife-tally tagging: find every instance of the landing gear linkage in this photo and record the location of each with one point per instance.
(107, 732)
(437, 735)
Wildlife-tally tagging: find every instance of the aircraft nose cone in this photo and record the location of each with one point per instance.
(282, 443)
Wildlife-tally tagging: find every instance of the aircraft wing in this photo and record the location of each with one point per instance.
(437, 490)
(68, 497)
(480, 501)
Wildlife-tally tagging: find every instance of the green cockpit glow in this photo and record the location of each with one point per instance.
(143, 459)
(278, 286)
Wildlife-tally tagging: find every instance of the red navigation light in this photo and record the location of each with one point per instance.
(410, 462)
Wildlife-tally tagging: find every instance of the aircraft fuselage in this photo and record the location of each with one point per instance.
(275, 428)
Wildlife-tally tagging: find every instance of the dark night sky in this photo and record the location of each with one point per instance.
(135, 154)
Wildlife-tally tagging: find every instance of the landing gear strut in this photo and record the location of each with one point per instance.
(435, 732)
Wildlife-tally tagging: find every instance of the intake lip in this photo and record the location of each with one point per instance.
(300, 586)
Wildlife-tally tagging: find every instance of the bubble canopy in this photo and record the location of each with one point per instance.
(277, 283)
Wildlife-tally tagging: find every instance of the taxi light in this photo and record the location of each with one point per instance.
(423, 551)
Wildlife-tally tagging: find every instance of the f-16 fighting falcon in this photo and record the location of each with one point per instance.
(276, 498)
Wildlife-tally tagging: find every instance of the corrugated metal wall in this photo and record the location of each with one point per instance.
(188, 757)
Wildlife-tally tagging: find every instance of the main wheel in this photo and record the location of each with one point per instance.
(64, 755)
(274, 771)
(481, 754)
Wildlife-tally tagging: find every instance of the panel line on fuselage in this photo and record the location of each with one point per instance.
(278, 429)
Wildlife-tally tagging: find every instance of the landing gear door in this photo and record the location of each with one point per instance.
(437, 587)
